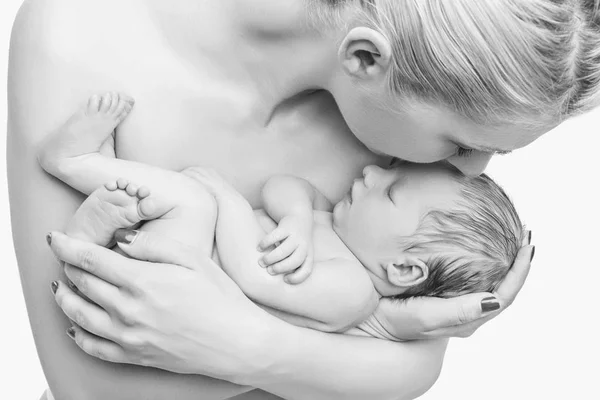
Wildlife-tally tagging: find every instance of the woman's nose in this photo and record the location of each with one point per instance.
(474, 164)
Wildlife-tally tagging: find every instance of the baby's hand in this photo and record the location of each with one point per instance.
(293, 254)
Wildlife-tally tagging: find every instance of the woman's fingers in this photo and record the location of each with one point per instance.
(459, 310)
(102, 293)
(416, 317)
(88, 316)
(96, 346)
(93, 259)
(156, 248)
(515, 279)
(281, 252)
(272, 238)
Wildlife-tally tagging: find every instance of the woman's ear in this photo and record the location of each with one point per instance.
(365, 53)
(407, 271)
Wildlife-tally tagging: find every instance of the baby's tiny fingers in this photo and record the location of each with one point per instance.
(281, 252)
(277, 235)
(289, 264)
(300, 274)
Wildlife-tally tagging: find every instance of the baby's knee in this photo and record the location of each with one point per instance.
(198, 198)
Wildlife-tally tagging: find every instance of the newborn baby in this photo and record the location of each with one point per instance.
(406, 231)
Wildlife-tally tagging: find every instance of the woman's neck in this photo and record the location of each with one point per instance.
(275, 43)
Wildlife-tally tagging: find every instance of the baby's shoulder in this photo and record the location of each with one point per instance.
(326, 242)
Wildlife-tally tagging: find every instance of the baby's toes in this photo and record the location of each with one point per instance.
(112, 186)
(105, 103)
(122, 183)
(152, 207)
(114, 102)
(132, 189)
(143, 192)
(122, 110)
(93, 105)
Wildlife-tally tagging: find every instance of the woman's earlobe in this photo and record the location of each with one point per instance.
(365, 53)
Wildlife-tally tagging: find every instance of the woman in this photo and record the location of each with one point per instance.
(240, 104)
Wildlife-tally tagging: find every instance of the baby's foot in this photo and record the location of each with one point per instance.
(89, 130)
(114, 206)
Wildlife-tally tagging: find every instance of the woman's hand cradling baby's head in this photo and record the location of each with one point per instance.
(435, 318)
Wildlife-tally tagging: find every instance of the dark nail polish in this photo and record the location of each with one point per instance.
(126, 236)
(49, 238)
(71, 333)
(489, 304)
(529, 240)
(532, 253)
(54, 287)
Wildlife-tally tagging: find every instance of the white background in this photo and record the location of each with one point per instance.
(544, 347)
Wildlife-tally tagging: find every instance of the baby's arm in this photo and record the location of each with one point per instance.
(337, 295)
(290, 202)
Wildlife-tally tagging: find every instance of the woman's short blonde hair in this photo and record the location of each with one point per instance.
(526, 62)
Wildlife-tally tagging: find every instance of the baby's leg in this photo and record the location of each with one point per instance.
(88, 130)
(122, 204)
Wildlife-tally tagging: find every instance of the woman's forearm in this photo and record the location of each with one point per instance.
(307, 364)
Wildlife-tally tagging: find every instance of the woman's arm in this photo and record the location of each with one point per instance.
(241, 343)
(44, 89)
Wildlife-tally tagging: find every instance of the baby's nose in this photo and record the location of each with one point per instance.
(370, 173)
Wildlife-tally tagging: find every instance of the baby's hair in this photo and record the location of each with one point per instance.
(471, 247)
(529, 62)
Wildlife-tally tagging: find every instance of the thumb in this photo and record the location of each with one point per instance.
(157, 248)
(458, 310)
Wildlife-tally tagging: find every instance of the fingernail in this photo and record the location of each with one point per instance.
(489, 304)
(259, 248)
(54, 287)
(262, 263)
(49, 238)
(126, 236)
(529, 240)
(71, 333)
(270, 271)
(532, 254)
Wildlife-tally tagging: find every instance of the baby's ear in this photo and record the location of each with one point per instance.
(407, 271)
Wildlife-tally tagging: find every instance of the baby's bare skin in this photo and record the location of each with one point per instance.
(118, 204)
(81, 153)
(184, 206)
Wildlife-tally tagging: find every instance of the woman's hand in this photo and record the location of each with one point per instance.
(176, 311)
(433, 318)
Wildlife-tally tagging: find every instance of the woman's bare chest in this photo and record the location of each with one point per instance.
(194, 107)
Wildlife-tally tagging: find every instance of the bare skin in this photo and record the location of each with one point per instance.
(218, 73)
(304, 137)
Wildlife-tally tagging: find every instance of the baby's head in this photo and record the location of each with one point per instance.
(428, 230)
(423, 79)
